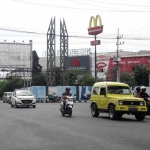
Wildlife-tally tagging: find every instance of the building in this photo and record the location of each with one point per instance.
(105, 62)
(18, 59)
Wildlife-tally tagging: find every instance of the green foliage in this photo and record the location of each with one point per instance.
(39, 80)
(113, 74)
(84, 79)
(10, 85)
(127, 78)
(141, 75)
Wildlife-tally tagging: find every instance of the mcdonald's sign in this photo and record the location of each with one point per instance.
(95, 29)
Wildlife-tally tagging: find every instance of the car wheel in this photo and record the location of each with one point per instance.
(3, 101)
(94, 110)
(112, 113)
(12, 105)
(34, 106)
(16, 105)
(140, 116)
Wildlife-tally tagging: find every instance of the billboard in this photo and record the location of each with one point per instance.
(82, 63)
(102, 62)
(15, 54)
(127, 64)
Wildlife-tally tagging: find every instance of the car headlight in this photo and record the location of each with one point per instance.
(33, 101)
(120, 102)
(19, 99)
(141, 103)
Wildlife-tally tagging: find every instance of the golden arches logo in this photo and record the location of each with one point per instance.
(95, 29)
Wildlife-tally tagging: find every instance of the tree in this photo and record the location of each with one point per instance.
(10, 85)
(112, 74)
(84, 78)
(39, 80)
(127, 78)
(141, 74)
(74, 75)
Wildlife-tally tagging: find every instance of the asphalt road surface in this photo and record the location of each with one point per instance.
(43, 128)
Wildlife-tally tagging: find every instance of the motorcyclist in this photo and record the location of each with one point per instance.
(137, 92)
(66, 93)
(145, 96)
(143, 93)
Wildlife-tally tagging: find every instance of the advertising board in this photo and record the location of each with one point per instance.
(127, 64)
(79, 63)
(15, 54)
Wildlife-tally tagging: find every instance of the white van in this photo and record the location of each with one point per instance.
(6, 96)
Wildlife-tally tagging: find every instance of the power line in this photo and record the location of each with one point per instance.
(119, 4)
(139, 28)
(93, 5)
(100, 6)
(47, 5)
(76, 36)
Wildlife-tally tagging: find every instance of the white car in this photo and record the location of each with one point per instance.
(6, 97)
(22, 98)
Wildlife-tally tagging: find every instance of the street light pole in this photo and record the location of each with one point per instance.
(95, 60)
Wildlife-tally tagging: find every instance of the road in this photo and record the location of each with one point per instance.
(43, 128)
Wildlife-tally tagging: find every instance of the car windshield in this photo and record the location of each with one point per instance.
(24, 93)
(118, 90)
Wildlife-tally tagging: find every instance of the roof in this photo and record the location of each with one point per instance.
(125, 53)
(109, 83)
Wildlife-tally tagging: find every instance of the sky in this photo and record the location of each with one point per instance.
(130, 17)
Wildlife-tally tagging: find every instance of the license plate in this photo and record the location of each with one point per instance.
(133, 109)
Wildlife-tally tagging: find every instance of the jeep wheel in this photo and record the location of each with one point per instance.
(140, 116)
(113, 114)
(94, 110)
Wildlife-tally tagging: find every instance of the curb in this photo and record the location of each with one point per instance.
(59, 102)
(81, 101)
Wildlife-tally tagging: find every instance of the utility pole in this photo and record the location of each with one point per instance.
(118, 57)
(31, 60)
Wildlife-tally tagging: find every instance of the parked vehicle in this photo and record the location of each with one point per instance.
(116, 99)
(51, 98)
(6, 97)
(22, 98)
(68, 106)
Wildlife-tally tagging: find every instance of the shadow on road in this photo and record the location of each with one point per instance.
(123, 119)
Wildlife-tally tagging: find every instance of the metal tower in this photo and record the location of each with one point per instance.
(51, 54)
(63, 53)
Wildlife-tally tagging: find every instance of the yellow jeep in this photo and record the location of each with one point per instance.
(116, 99)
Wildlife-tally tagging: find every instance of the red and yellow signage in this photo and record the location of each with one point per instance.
(95, 29)
(96, 42)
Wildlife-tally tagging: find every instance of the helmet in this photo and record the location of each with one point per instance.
(67, 88)
(138, 89)
(143, 87)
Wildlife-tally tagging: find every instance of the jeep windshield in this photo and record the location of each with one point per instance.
(119, 90)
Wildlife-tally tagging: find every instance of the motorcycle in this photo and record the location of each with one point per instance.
(68, 107)
(148, 105)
